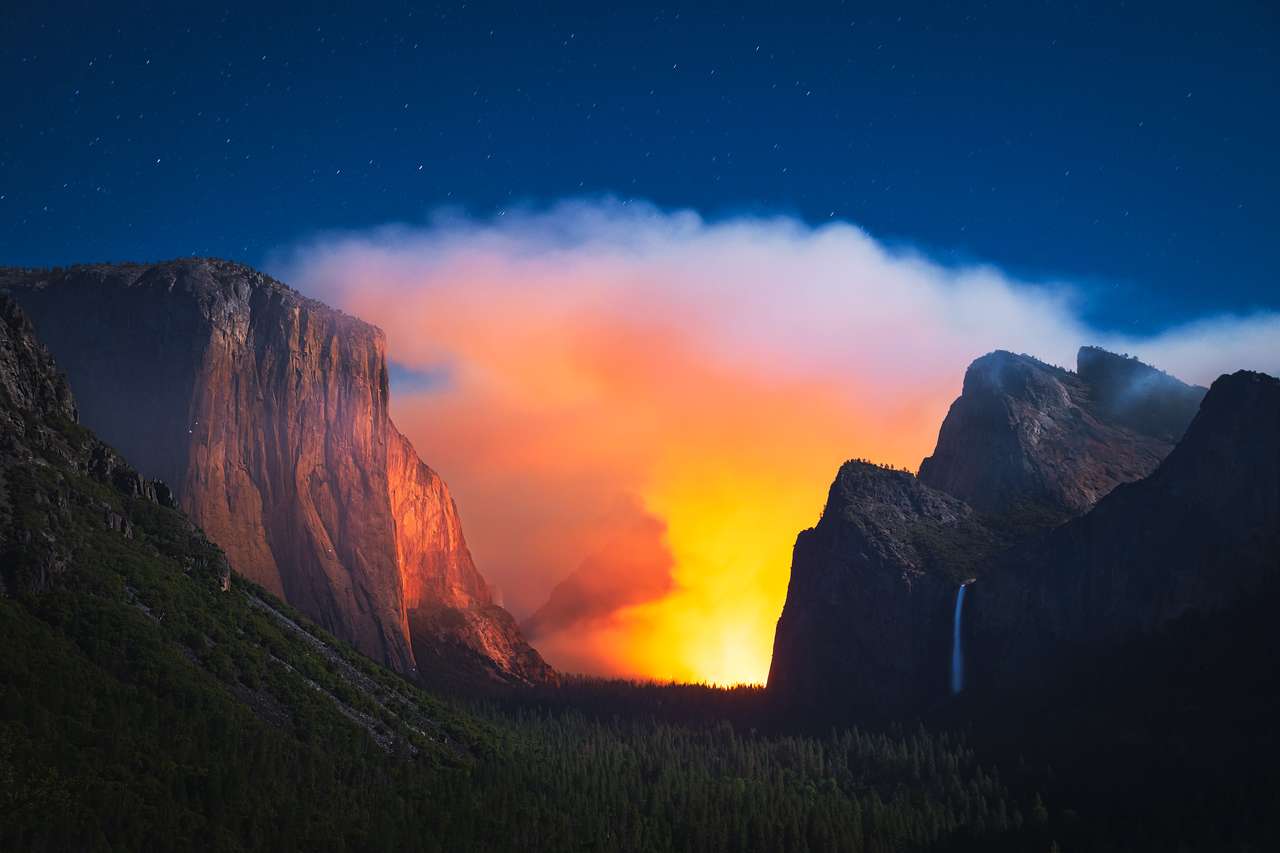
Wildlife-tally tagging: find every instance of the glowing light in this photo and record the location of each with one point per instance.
(734, 463)
(606, 369)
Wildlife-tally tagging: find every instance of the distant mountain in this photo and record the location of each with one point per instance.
(1198, 536)
(268, 414)
(1051, 492)
(1134, 648)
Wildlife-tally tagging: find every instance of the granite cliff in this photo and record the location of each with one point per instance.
(866, 622)
(459, 635)
(267, 413)
(1024, 450)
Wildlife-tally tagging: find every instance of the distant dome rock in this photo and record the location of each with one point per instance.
(1037, 439)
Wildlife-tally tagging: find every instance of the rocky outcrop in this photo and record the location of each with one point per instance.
(473, 647)
(866, 624)
(1200, 535)
(267, 412)
(1028, 438)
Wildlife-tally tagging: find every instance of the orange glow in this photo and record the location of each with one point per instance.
(643, 408)
(553, 415)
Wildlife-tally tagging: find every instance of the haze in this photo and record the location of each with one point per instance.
(639, 408)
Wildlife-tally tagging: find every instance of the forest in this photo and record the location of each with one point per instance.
(149, 707)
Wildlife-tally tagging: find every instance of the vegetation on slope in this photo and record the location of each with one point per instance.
(143, 704)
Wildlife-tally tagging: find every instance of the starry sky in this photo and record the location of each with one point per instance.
(1130, 150)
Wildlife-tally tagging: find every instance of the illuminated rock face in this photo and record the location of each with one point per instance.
(459, 636)
(436, 566)
(267, 411)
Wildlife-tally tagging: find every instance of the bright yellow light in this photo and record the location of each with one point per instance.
(552, 418)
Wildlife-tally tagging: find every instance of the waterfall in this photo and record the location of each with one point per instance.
(957, 654)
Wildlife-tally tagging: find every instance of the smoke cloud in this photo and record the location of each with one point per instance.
(638, 409)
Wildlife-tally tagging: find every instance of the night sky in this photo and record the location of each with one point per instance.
(1132, 151)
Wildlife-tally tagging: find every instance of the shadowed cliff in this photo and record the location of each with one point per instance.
(867, 625)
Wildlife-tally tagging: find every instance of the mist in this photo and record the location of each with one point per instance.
(638, 409)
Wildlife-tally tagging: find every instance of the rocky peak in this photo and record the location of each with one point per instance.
(864, 492)
(1026, 447)
(1018, 376)
(1030, 439)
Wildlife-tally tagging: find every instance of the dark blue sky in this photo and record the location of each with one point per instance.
(1131, 149)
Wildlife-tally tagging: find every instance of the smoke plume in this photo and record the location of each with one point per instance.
(637, 410)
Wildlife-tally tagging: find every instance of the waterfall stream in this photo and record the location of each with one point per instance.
(957, 654)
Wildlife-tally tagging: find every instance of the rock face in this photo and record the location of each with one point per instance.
(267, 412)
(459, 635)
(1026, 437)
(870, 606)
(1199, 535)
(866, 624)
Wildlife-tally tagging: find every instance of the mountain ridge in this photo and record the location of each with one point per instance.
(1029, 454)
